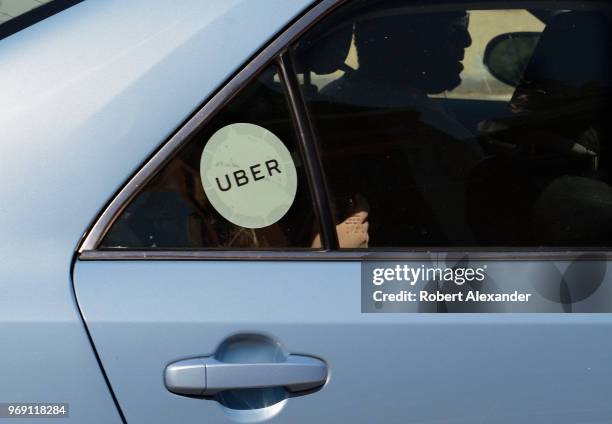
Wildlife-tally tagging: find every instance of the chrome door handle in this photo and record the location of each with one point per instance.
(207, 376)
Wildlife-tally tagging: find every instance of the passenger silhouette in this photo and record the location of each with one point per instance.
(402, 58)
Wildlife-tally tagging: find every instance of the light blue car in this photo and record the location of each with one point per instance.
(394, 211)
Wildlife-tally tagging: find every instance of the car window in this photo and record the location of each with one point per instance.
(10, 9)
(476, 81)
(464, 128)
(16, 15)
(238, 183)
(484, 25)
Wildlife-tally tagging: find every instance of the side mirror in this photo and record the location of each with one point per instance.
(507, 55)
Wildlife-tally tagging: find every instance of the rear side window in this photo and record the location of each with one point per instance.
(464, 128)
(447, 128)
(238, 183)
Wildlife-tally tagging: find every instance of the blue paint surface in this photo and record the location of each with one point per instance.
(87, 95)
(392, 368)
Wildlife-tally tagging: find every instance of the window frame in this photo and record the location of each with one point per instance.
(278, 52)
(273, 53)
(33, 16)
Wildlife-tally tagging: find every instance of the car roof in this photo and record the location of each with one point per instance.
(89, 93)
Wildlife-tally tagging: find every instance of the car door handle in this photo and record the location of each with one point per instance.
(207, 376)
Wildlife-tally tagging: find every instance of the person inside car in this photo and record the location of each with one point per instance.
(403, 59)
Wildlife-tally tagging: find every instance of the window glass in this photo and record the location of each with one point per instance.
(10, 9)
(464, 127)
(16, 15)
(484, 25)
(476, 81)
(256, 193)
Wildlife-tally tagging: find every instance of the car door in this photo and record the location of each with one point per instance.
(321, 254)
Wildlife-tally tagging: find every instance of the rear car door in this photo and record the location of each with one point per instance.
(351, 251)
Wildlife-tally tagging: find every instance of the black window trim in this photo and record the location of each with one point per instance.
(310, 151)
(34, 16)
(277, 51)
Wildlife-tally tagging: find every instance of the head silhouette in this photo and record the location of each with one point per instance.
(422, 51)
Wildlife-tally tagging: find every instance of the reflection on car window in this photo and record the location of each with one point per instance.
(443, 151)
(16, 15)
(476, 82)
(239, 183)
(10, 9)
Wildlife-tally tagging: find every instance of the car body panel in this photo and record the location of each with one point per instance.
(405, 367)
(87, 95)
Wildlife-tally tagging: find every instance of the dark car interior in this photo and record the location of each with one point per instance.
(532, 172)
(557, 139)
(173, 211)
(543, 179)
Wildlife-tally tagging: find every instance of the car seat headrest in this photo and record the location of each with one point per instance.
(571, 58)
(326, 53)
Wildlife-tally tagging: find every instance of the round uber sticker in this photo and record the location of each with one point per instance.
(248, 175)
